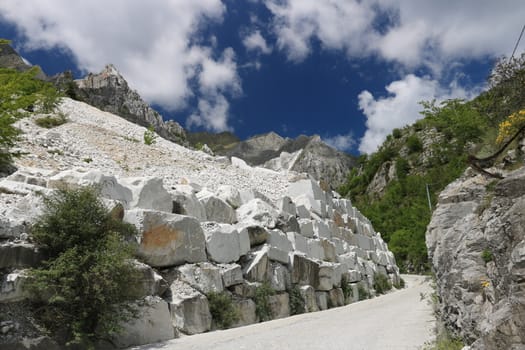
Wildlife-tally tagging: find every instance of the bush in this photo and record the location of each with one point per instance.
(49, 122)
(347, 289)
(262, 301)
(297, 303)
(81, 292)
(400, 284)
(414, 144)
(149, 136)
(381, 283)
(362, 292)
(396, 133)
(487, 256)
(20, 93)
(222, 310)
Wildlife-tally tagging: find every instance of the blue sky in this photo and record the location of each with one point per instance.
(348, 70)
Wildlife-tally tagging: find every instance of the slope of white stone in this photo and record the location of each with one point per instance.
(96, 139)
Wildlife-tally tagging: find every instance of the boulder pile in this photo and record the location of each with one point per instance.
(194, 241)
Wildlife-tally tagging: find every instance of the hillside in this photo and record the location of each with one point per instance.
(390, 185)
(152, 240)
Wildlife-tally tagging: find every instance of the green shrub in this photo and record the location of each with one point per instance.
(381, 283)
(51, 121)
(81, 292)
(150, 136)
(262, 301)
(222, 310)
(362, 292)
(20, 94)
(487, 256)
(414, 144)
(400, 284)
(396, 133)
(297, 303)
(347, 288)
(445, 341)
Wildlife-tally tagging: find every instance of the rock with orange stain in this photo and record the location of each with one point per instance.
(167, 239)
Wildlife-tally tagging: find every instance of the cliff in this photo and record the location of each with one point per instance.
(476, 243)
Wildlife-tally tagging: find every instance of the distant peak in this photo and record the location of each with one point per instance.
(110, 69)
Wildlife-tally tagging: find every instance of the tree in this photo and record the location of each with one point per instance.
(81, 292)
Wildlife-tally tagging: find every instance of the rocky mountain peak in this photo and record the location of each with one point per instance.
(108, 77)
(109, 91)
(270, 141)
(308, 154)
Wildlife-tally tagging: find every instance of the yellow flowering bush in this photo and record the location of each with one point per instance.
(508, 127)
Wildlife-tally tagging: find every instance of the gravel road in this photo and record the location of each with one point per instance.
(397, 321)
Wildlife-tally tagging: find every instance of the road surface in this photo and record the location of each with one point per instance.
(400, 320)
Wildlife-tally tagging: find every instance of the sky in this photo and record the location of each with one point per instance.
(347, 70)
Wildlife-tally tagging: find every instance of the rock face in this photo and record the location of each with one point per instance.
(476, 241)
(109, 91)
(9, 58)
(304, 154)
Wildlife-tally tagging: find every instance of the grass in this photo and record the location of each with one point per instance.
(400, 284)
(262, 301)
(222, 310)
(362, 292)
(297, 303)
(487, 256)
(347, 289)
(51, 121)
(150, 136)
(445, 341)
(381, 283)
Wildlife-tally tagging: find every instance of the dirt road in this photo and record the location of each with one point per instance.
(397, 321)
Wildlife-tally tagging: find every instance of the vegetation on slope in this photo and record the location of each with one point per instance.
(82, 291)
(432, 152)
(20, 94)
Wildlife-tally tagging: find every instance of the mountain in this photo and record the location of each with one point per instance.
(308, 154)
(9, 58)
(109, 91)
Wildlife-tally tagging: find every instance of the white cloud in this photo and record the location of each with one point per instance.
(156, 45)
(256, 42)
(340, 25)
(450, 29)
(341, 142)
(212, 114)
(400, 107)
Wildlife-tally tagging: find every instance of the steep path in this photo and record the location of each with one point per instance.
(398, 321)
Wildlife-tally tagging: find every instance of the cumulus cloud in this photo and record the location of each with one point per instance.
(256, 42)
(343, 143)
(156, 45)
(340, 25)
(212, 114)
(400, 107)
(448, 29)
